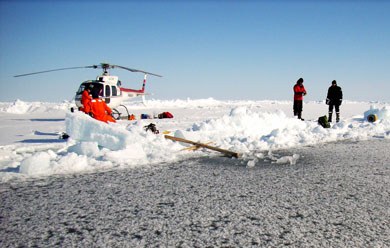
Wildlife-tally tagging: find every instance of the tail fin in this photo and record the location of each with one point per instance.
(143, 85)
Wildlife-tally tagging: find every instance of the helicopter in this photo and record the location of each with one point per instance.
(108, 86)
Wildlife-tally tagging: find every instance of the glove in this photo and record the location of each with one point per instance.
(327, 101)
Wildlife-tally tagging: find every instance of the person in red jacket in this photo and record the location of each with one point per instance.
(85, 100)
(99, 110)
(299, 92)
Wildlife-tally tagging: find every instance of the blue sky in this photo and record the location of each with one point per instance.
(228, 50)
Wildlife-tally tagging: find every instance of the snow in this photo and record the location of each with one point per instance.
(30, 146)
(116, 185)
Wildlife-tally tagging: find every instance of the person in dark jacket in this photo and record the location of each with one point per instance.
(299, 92)
(334, 100)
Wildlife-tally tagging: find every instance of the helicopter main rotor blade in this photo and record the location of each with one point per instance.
(61, 69)
(135, 70)
(104, 66)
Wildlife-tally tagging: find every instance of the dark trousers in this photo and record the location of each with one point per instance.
(336, 106)
(298, 106)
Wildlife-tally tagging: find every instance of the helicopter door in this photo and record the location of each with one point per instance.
(108, 93)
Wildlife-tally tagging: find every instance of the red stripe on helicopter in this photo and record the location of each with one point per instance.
(134, 91)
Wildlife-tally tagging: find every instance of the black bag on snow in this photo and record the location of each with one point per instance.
(323, 121)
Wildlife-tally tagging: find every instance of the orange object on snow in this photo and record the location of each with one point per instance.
(100, 111)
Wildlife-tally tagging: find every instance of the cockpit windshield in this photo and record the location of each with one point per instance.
(93, 85)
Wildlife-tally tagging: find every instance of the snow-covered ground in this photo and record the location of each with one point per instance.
(117, 185)
(30, 146)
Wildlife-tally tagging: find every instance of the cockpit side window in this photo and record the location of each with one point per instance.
(114, 91)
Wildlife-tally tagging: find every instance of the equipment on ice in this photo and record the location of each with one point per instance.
(323, 121)
(372, 118)
(152, 127)
(198, 144)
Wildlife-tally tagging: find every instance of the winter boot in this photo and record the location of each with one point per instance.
(330, 117)
(337, 117)
(300, 116)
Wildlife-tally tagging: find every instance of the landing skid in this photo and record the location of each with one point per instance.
(118, 115)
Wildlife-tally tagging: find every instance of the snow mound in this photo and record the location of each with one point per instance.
(84, 128)
(245, 129)
(250, 130)
(21, 107)
(94, 144)
(128, 145)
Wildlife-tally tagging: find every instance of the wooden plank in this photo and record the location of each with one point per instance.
(195, 147)
(226, 152)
